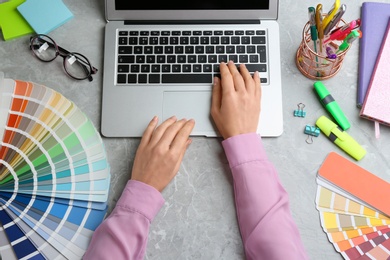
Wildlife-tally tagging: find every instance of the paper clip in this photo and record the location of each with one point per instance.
(311, 131)
(299, 112)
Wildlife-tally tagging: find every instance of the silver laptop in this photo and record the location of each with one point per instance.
(161, 59)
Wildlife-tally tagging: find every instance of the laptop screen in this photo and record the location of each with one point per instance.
(121, 10)
(192, 5)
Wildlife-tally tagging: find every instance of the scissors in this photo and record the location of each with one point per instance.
(336, 19)
(320, 28)
(355, 22)
(331, 13)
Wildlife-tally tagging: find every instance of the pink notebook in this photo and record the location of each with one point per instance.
(376, 104)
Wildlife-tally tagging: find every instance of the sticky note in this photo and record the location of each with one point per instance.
(45, 15)
(12, 23)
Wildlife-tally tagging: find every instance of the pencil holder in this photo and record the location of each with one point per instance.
(312, 59)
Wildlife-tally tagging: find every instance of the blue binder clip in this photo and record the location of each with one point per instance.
(311, 131)
(299, 112)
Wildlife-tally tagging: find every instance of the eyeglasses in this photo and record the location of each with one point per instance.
(75, 64)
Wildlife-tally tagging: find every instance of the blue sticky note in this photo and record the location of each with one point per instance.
(45, 15)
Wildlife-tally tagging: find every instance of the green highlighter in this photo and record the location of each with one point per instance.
(331, 105)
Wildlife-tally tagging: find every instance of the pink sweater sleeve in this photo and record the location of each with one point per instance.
(124, 233)
(267, 228)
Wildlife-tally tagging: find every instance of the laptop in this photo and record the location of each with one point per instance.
(161, 59)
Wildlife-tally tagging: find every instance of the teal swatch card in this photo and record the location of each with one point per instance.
(45, 15)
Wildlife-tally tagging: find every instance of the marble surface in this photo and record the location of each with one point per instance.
(198, 220)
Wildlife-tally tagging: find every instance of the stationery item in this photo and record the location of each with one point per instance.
(311, 131)
(331, 105)
(319, 25)
(351, 201)
(183, 48)
(313, 31)
(355, 22)
(45, 15)
(376, 105)
(313, 28)
(12, 23)
(315, 62)
(54, 174)
(330, 15)
(339, 35)
(330, 52)
(352, 36)
(356, 182)
(374, 18)
(341, 138)
(299, 112)
(336, 19)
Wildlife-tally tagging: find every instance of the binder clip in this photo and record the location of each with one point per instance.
(311, 131)
(299, 112)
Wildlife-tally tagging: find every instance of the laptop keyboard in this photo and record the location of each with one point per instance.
(169, 57)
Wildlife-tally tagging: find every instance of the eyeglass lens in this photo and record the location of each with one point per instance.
(44, 48)
(76, 65)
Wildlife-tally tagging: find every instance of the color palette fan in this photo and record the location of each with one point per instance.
(54, 174)
(346, 195)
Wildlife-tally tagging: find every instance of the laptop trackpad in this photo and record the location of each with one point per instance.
(190, 104)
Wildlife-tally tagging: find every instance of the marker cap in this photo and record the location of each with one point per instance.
(331, 105)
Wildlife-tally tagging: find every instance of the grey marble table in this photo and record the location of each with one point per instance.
(198, 219)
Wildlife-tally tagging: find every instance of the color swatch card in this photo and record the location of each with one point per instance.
(54, 174)
(353, 207)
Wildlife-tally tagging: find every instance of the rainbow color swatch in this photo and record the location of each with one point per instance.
(356, 229)
(54, 174)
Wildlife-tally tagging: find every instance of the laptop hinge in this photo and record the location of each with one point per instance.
(193, 22)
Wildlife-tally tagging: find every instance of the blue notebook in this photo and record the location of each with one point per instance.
(45, 15)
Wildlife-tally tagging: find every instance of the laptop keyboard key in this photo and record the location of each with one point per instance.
(155, 68)
(154, 78)
(121, 78)
(262, 51)
(123, 68)
(142, 78)
(187, 78)
(243, 58)
(256, 67)
(253, 58)
(233, 58)
(132, 78)
(186, 68)
(258, 40)
(176, 68)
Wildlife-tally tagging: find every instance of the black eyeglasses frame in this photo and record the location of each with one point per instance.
(65, 54)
